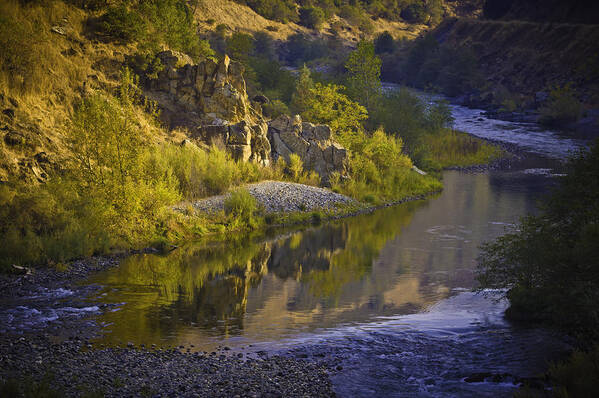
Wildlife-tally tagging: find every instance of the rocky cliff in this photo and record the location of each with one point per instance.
(210, 100)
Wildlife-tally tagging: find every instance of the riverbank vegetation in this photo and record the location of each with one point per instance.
(549, 270)
(123, 176)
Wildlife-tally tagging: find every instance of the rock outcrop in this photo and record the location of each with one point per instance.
(312, 143)
(210, 100)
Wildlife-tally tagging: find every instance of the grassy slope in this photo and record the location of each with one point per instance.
(242, 18)
(60, 71)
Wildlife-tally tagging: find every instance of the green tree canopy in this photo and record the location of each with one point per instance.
(364, 68)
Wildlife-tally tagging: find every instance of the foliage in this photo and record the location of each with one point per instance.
(270, 78)
(429, 65)
(278, 10)
(299, 49)
(452, 148)
(122, 24)
(384, 43)
(295, 171)
(381, 172)
(311, 17)
(164, 21)
(549, 265)
(561, 108)
(327, 105)
(578, 376)
(117, 190)
(364, 71)
(274, 109)
(241, 207)
(301, 95)
(240, 46)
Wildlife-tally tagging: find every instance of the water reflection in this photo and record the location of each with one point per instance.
(398, 260)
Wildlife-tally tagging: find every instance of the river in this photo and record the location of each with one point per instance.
(385, 298)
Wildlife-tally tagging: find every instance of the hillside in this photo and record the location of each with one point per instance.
(242, 18)
(529, 57)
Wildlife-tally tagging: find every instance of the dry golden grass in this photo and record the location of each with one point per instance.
(62, 68)
(242, 18)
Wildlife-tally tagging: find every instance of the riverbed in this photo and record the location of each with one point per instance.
(384, 300)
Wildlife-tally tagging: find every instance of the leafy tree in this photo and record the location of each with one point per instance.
(240, 46)
(327, 105)
(301, 95)
(549, 265)
(364, 68)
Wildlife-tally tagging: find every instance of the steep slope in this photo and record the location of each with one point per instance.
(528, 57)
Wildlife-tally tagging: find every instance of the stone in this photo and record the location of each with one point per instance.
(239, 134)
(312, 143)
(240, 152)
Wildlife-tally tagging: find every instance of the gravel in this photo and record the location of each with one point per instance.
(75, 368)
(276, 196)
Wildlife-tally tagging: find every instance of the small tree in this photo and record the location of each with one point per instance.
(364, 69)
(311, 17)
(301, 95)
(328, 105)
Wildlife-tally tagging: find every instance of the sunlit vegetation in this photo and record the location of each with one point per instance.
(117, 190)
(355, 12)
(152, 23)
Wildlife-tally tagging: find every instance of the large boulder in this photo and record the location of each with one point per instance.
(312, 143)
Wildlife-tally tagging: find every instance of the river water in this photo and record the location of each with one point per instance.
(386, 298)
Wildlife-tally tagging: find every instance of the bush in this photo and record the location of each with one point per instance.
(562, 107)
(241, 207)
(549, 265)
(311, 17)
(278, 10)
(165, 21)
(274, 109)
(122, 24)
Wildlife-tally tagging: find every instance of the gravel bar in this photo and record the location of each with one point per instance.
(75, 368)
(278, 196)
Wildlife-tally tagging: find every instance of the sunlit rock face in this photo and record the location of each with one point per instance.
(211, 101)
(313, 144)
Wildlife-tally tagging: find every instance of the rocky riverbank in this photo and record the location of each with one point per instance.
(76, 368)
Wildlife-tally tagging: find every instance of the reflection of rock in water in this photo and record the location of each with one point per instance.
(219, 302)
(305, 251)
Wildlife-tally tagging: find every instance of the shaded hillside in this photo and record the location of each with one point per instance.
(572, 11)
(527, 57)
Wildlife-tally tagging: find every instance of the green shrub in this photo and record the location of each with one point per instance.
(121, 23)
(562, 107)
(311, 17)
(274, 109)
(578, 376)
(241, 207)
(384, 43)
